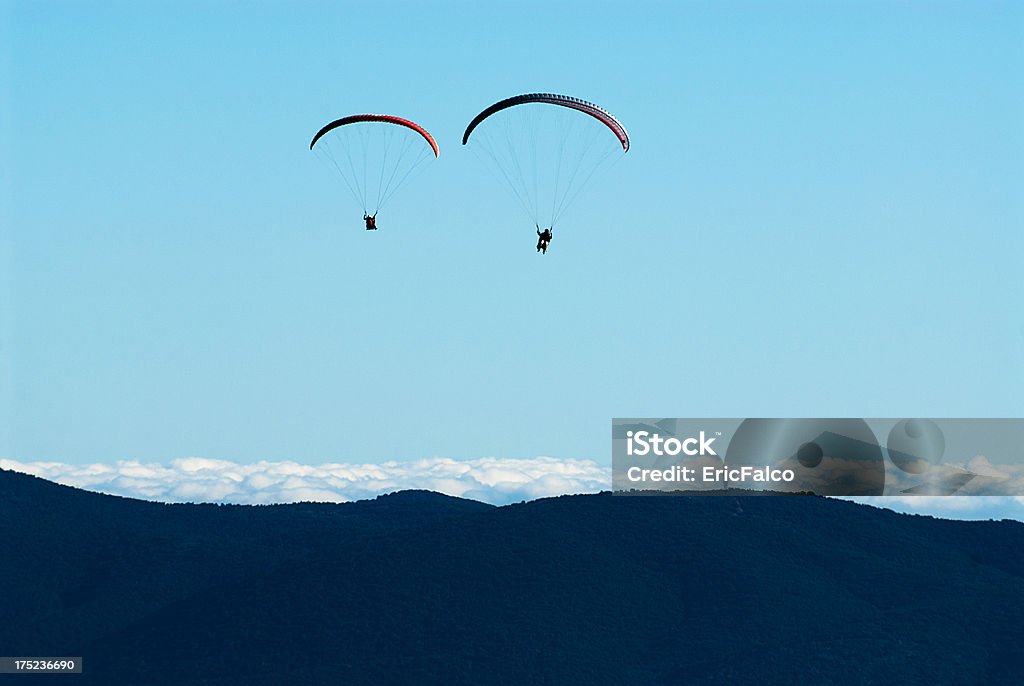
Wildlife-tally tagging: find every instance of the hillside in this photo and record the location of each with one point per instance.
(421, 588)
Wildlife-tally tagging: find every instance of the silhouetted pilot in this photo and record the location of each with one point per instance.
(543, 239)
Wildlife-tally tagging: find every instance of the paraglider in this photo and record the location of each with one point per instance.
(375, 154)
(546, 155)
(544, 239)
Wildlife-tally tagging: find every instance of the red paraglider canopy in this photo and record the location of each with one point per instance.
(385, 118)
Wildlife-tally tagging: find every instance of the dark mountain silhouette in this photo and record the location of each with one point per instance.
(421, 588)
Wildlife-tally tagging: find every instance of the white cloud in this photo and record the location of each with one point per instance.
(195, 479)
(489, 479)
(952, 506)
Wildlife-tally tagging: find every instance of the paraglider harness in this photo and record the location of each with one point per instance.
(371, 221)
(543, 239)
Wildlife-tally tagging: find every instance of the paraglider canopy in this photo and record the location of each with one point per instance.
(590, 108)
(385, 118)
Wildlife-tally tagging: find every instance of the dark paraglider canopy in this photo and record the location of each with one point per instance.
(590, 108)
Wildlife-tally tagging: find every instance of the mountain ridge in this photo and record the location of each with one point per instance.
(415, 587)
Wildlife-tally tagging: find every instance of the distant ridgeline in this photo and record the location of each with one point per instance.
(421, 588)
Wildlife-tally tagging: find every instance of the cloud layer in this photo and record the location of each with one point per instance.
(194, 479)
(492, 480)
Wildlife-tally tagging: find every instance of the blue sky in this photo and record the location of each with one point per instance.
(820, 215)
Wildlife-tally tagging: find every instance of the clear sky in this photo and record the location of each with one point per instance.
(821, 215)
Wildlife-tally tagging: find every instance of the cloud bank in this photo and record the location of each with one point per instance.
(194, 479)
(498, 481)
